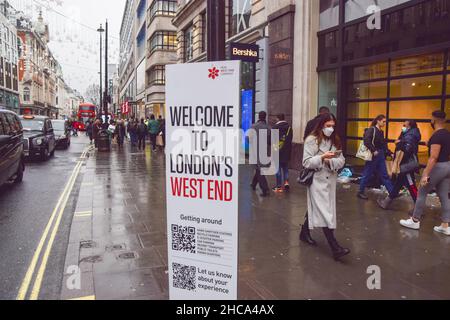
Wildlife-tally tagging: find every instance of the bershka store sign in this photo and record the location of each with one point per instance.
(202, 167)
(244, 52)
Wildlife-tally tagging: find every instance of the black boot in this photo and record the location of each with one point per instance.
(305, 234)
(338, 251)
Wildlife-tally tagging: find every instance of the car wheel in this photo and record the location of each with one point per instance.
(19, 174)
(45, 154)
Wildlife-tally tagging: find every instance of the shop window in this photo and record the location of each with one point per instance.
(328, 90)
(368, 90)
(355, 129)
(448, 83)
(329, 14)
(447, 108)
(366, 110)
(413, 109)
(240, 13)
(371, 72)
(417, 65)
(328, 51)
(417, 87)
(355, 9)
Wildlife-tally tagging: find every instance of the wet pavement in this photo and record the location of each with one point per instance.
(25, 210)
(118, 238)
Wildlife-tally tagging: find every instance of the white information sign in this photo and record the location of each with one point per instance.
(202, 165)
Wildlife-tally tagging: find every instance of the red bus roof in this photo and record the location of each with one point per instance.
(87, 105)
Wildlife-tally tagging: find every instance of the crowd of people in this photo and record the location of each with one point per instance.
(132, 130)
(323, 159)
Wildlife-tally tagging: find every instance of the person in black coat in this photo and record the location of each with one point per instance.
(408, 143)
(285, 151)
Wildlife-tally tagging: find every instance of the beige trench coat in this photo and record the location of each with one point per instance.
(322, 192)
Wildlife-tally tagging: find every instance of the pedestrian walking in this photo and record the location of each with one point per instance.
(162, 132)
(153, 128)
(132, 130)
(96, 131)
(261, 130)
(305, 235)
(120, 133)
(89, 130)
(436, 176)
(406, 163)
(285, 151)
(376, 143)
(322, 153)
(142, 134)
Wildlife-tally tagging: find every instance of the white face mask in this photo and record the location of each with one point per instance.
(328, 132)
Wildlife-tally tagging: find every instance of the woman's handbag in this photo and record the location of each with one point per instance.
(306, 177)
(411, 165)
(363, 152)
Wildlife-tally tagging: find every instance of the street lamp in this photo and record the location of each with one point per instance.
(101, 30)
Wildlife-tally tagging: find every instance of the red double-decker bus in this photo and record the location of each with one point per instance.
(86, 112)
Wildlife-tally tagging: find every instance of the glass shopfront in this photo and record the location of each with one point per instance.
(402, 89)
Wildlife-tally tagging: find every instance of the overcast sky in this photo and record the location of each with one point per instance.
(74, 40)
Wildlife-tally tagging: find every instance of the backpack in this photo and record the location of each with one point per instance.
(283, 139)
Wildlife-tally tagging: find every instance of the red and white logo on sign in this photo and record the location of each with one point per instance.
(213, 73)
(125, 108)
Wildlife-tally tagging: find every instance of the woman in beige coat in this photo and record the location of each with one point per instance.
(322, 153)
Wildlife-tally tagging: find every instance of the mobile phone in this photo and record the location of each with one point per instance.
(338, 153)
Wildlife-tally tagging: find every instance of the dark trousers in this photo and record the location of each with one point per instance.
(376, 166)
(261, 180)
(153, 140)
(408, 181)
(141, 142)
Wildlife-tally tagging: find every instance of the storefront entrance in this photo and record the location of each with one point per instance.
(402, 89)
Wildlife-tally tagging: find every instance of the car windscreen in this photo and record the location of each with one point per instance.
(32, 125)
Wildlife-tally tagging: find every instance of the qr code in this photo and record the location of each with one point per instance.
(183, 239)
(184, 277)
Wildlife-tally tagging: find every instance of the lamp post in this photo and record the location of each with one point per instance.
(101, 30)
(106, 98)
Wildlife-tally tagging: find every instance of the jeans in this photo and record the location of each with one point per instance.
(261, 180)
(439, 180)
(282, 174)
(376, 166)
(153, 140)
(141, 142)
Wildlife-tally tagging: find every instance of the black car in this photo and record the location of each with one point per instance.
(12, 164)
(62, 133)
(39, 136)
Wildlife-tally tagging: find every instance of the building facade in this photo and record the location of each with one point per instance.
(360, 58)
(127, 66)
(38, 70)
(9, 84)
(161, 51)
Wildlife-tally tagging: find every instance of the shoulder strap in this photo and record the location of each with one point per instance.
(374, 133)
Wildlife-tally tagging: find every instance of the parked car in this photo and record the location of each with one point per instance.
(62, 133)
(39, 136)
(12, 162)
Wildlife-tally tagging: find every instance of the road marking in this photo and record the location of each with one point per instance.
(83, 298)
(41, 271)
(83, 214)
(31, 269)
